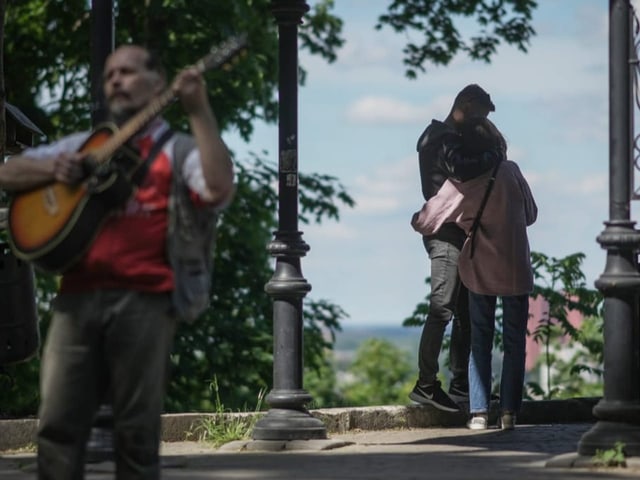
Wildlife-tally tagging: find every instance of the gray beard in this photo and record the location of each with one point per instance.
(121, 116)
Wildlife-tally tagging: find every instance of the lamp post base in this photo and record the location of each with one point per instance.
(287, 424)
(604, 436)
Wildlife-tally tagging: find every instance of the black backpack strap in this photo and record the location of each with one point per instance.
(476, 221)
(142, 170)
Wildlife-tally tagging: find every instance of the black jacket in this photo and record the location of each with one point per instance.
(441, 155)
(431, 156)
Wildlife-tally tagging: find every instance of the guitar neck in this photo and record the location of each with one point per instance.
(217, 57)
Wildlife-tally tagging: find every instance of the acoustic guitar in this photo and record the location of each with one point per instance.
(53, 225)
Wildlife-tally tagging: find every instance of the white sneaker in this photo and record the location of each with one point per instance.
(479, 421)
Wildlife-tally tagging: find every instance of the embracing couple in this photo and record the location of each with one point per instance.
(474, 226)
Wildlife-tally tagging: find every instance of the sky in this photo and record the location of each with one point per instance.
(360, 118)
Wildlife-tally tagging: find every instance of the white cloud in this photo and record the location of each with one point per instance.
(589, 185)
(387, 189)
(331, 231)
(385, 110)
(593, 24)
(553, 187)
(533, 178)
(359, 53)
(515, 153)
(580, 117)
(376, 204)
(381, 110)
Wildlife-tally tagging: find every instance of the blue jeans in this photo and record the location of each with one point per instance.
(448, 300)
(515, 310)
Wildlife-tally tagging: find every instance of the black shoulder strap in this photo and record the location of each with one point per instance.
(476, 221)
(141, 172)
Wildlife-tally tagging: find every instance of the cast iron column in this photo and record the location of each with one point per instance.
(100, 444)
(618, 412)
(288, 419)
(102, 42)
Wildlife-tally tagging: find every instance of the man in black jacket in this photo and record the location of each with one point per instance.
(449, 298)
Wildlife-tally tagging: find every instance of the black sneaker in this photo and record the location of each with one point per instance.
(459, 394)
(433, 395)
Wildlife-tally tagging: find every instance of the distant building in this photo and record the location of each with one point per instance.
(539, 309)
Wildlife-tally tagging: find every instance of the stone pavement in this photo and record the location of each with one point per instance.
(440, 453)
(380, 442)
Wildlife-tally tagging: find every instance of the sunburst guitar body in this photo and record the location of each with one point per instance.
(52, 226)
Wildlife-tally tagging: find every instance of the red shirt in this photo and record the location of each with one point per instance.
(129, 251)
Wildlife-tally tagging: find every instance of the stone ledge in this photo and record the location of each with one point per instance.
(17, 433)
(20, 433)
(574, 460)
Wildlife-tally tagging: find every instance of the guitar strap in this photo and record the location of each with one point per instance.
(142, 170)
(476, 221)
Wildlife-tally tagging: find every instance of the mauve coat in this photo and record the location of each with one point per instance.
(501, 263)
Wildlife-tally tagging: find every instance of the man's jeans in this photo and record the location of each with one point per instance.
(448, 300)
(117, 338)
(515, 313)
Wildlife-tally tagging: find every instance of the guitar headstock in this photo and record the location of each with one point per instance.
(224, 53)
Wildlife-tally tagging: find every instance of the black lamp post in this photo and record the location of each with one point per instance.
(100, 444)
(102, 43)
(618, 412)
(288, 419)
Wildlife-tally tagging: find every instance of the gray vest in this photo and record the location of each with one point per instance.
(190, 240)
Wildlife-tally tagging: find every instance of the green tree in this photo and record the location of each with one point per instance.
(322, 384)
(561, 282)
(382, 374)
(46, 71)
(577, 362)
(434, 24)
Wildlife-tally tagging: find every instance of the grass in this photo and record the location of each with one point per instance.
(29, 448)
(613, 457)
(224, 426)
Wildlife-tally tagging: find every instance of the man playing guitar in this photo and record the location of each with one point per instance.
(113, 322)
